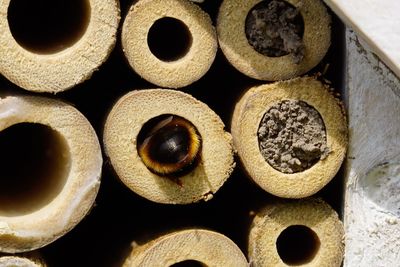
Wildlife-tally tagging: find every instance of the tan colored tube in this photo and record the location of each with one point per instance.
(16, 261)
(68, 185)
(247, 116)
(234, 44)
(180, 72)
(64, 69)
(323, 243)
(126, 120)
(206, 247)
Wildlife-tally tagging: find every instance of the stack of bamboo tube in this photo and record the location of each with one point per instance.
(170, 148)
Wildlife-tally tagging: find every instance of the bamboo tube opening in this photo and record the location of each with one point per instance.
(169, 145)
(35, 163)
(48, 26)
(297, 245)
(189, 263)
(275, 28)
(169, 39)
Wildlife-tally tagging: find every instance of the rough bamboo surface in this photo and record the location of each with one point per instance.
(234, 44)
(315, 214)
(246, 119)
(371, 208)
(177, 73)
(122, 127)
(63, 70)
(35, 227)
(206, 247)
(18, 261)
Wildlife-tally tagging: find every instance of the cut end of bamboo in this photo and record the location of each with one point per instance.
(170, 43)
(16, 261)
(246, 129)
(51, 173)
(305, 232)
(197, 247)
(167, 146)
(316, 39)
(53, 46)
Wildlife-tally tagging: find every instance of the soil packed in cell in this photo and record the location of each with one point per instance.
(275, 28)
(292, 136)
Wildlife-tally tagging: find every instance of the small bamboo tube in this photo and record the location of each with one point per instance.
(51, 173)
(232, 38)
(246, 120)
(59, 70)
(304, 232)
(127, 119)
(205, 247)
(188, 66)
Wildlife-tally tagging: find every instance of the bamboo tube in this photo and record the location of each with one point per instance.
(170, 43)
(232, 36)
(199, 247)
(51, 166)
(16, 261)
(54, 64)
(304, 232)
(291, 142)
(192, 154)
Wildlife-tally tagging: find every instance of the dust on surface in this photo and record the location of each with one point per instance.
(292, 136)
(275, 28)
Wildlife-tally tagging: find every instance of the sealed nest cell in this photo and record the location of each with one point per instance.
(291, 136)
(275, 39)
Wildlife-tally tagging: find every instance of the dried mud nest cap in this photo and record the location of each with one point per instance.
(167, 146)
(51, 173)
(291, 136)
(76, 38)
(196, 246)
(170, 43)
(270, 47)
(20, 261)
(304, 232)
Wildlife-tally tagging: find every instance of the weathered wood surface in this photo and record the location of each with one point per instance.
(372, 199)
(375, 21)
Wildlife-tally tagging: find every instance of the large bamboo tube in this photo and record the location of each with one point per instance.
(167, 146)
(51, 46)
(195, 246)
(170, 43)
(51, 166)
(291, 136)
(265, 48)
(304, 232)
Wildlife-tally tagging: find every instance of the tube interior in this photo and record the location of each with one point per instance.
(35, 162)
(169, 39)
(48, 26)
(189, 263)
(297, 245)
(275, 28)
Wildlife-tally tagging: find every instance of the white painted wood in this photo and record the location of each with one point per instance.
(376, 21)
(372, 198)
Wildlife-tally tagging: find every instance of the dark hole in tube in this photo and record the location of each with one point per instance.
(48, 26)
(297, 245)
(169, 39)
(35, 162)
(188, 263)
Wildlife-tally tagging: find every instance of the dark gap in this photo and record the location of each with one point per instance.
(188, 263)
